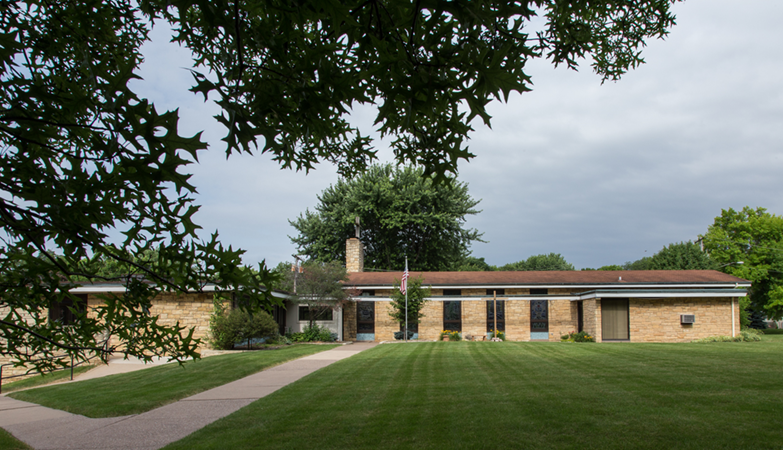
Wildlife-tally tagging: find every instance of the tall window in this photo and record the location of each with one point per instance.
(491, 315)
(365, 317)
(496, 292)
(452, 316)
(68, 311)
(539, 316)
(541, 291)
(452, 292)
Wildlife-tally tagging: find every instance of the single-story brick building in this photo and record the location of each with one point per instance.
(635, 306)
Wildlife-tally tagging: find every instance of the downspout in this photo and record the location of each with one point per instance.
(732, 317)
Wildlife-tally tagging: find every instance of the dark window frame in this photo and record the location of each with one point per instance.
(533, 304)
(304, 311)
(452, 324)
(62, 311)
(539, 291)
(496, 292)
(452, 292)
(364, 323)
(501, 316)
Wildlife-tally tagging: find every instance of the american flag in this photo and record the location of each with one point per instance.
(404, 282)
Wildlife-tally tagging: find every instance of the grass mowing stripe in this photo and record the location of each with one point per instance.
(522, 395)
(147, 389)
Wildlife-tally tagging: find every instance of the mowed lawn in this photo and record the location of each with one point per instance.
(484, 395)
(147, 389)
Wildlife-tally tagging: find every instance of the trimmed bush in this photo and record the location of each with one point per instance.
(400, 334)
(314, 334)
(748, 335)
(228, 329)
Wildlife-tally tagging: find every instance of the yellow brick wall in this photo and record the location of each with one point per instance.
(432, 323)
(474, 318)
(385, 326)
(349, 321)
(592, 318)
(518, 320)
(658, 320)
(562, 319)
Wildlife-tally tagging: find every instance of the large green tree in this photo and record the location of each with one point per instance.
(552, 261)
(682, 256)
(401, 214)
(83, 156)
(753, 237)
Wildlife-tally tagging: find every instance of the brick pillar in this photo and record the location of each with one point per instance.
(354, 255)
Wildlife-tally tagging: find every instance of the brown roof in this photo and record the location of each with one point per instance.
(549, 278)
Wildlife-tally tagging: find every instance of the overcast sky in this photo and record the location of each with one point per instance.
(602, 174)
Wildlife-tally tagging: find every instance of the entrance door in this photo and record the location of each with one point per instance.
(614, 319)
(365, 321)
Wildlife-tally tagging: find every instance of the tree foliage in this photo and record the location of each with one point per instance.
(682, 256)
(755, 238)
(228, 328)
(417, 298)
(319, 286)
(401, 214)
(552, 261)
(83, 157)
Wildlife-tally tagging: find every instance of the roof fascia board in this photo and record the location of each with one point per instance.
(121, 289)
(569, 286)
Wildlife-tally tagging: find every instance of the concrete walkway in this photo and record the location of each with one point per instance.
(45, 428)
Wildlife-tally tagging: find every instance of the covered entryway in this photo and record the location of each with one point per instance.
(614, 319)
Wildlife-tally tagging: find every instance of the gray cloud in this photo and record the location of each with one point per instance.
(600, 173)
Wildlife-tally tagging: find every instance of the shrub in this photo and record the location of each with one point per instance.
(772, 331)
(497, 333)
(749, 335)
(314, 333)
(582, 336)
(228, 329)
(400, 334)
(453, 335)
(279, 339)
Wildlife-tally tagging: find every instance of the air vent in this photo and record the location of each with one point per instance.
(687, 319)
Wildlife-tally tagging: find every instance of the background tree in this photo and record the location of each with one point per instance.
(401, 214)
(640, 264)
(320, 287)
(754, 237)
(83, 156)
(417, 298)
(682, 256)
(474, 264)
(552, 261)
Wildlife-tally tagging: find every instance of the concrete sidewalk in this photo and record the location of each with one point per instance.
(45, 428)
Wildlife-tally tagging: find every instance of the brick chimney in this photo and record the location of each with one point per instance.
(354, 255)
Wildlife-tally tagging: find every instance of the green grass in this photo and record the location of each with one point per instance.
(477, 395)
(143, 390)
(43, 379)
(772, 331)
(8, 442)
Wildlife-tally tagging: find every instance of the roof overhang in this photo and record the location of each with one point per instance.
(568, 286)
(120, 289)
(596, 294)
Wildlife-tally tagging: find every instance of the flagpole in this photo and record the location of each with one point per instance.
(406, 301)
